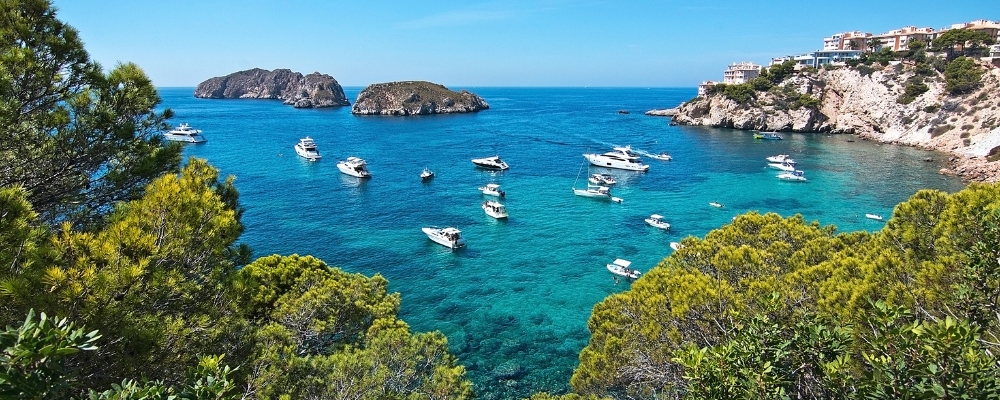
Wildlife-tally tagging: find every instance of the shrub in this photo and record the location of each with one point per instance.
(914, 88)
(806, 101)
(994, 154)
(967, 127)
(865, 70)
(940, 130)
(933, 108)
(741, 93)
(964, 134)
(761, 84)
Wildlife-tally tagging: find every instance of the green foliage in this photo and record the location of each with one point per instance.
(761, 83)
(915, 87)
(32, 363)
(210, 380)
(76, 139)
(933, 108)
(805, 100)
(742, 93)
(907, 358)
(962, 75)
(705, 323)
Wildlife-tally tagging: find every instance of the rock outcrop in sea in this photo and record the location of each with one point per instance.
(849, 101)
(310, 91)
(415, 98)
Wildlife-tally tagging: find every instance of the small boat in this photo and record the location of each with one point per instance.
(769, 136)
(185, 133)
(426, 174)
(495, 209)
(623, 111)
(662, 156)
(716, 205)
(621, 267)
(354, 166)
(306, 148)
(492, 189)
(874, 216)
(602, 179)
(676, 246)
(795, 176)
(602, 192)
(493, 163)
(617, 199)
(782, 166)
(781, 159)
(447, 237)
(656, 220)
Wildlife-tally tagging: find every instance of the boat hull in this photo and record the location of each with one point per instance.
(601, 161)
(617, 270)
(308, 155)
(348, 170)
(435, 236)
(783, 167)
(658, 224)
(184, 138)
(591, 194)
(495, 210)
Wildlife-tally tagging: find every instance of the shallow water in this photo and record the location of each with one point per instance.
(523, 289)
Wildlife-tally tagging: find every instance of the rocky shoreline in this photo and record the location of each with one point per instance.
(844, 100)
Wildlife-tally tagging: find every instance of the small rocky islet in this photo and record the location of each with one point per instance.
(415, 98)
(315, 90)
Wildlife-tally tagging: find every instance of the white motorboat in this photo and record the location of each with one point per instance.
(447, 237)
(495, 209)
(494, 163)
(662, 156)
(795, 176)
(716, 204)
(185, 133)
(619, 157)
(621, 267)
(602, 179)
(426, 174)
(781, 158)
(874, 216)
(306, 148)
(492, 189)
(782, 166)
(354, 166)
(602, 192)
(656, 220)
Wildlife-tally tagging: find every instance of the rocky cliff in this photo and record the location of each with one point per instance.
(415, 98)
(313, 90)
(867, 104)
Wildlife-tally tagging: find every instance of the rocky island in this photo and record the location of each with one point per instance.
(310, 91)
(415, 98)
(903, 102)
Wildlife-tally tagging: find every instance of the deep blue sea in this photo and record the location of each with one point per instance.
(522, 290)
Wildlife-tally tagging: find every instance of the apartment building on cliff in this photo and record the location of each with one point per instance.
(855, 40)
(899, 39)
(740, 72)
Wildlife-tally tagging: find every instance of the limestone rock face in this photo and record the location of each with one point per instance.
(415, 98)
(967, 126)
(311, 91)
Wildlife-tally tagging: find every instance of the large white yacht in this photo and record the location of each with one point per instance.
(494, 163)
(354, 166)
(620, 157)
(306, 148)
(447, 237)
(185, 133)
(602, 192)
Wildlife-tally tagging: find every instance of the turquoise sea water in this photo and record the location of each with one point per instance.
(522, 290)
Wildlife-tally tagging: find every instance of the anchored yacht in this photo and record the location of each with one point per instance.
(354, 166)
(306, 148)
(494, 163)
(185, 133)
(620, 157)
(447, 237)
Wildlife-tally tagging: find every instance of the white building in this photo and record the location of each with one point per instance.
(703, 87)
(740, 72)
(995, 50)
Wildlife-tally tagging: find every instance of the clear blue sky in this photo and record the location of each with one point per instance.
(469, 43)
